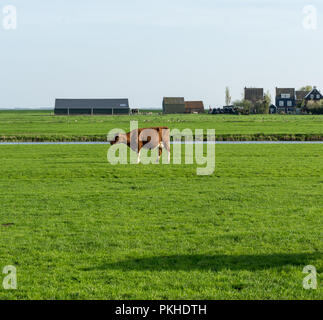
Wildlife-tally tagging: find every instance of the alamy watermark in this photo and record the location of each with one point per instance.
(9, 17)
(310, 18)
(10, 280)
(151, 144)
(310, 281)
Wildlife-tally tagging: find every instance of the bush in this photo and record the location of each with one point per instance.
(259, 107)
(244, 104)
(315, 107)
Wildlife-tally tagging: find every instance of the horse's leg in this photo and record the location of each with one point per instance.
(139, 157)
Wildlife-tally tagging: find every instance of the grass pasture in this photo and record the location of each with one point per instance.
(43, 126)
(78, 228)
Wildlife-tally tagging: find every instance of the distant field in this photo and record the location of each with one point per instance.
(43, 126)
(78, 228)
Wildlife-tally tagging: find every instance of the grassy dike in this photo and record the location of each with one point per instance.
(43, 126)
(219, 137)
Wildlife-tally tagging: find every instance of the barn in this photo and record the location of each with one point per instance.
(174, 105)
(254, 94)
(194, 106)
(92, 107)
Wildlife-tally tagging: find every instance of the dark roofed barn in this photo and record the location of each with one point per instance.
(254, 94)
(194, 107)
(174, 105)
(92, 107)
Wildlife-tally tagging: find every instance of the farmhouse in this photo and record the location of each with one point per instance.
(313, 95)
(290, 101)
(91, 107)
(174, 105)
(285, 99)
(302, 97)
(194, 107)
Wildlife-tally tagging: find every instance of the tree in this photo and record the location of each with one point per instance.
(306, 88)
(261, 107)
(244, 104)
(267, 102)
(268, 98)
(227, 96)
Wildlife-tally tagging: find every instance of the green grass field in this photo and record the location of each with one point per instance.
(78, 228)
(43, 126)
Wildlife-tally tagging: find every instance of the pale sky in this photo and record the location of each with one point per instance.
(147, 49)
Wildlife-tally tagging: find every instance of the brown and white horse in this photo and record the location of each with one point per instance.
(147, 138)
